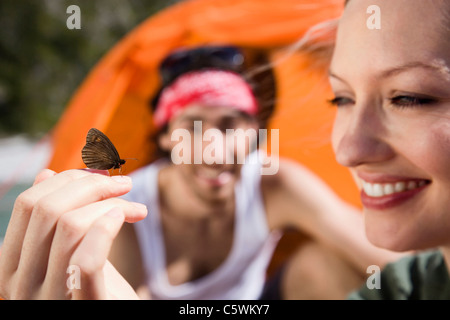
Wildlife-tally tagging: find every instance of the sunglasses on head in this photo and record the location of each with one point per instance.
(183, 61)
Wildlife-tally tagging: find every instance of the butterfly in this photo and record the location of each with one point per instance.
(100, 153)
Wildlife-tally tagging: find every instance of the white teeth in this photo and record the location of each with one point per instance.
(399, 186)
(367, 187)
(383, 189)
(377, 190)
(412, 185)
(389, 188)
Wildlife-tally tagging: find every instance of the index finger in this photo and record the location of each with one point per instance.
(56, 189)
(47, 173)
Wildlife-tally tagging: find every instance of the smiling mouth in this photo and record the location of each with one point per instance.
(385, 195)
(214, 177)
(377, 190)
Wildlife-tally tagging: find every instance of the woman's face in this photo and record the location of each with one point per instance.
(208, 158)
(392, 129)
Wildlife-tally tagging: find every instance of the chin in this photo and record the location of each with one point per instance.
(216, 196)
(387, 237)
(397, 240)
(389, 244)
(404, 231)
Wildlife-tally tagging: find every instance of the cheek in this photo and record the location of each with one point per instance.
(439, 149)
(431, 149)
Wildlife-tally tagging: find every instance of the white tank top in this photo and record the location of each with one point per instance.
(242, 274)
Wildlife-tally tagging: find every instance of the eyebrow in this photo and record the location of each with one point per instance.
(396, 70)
(332, 74)
(190, 118)
(232, 116)
(411, 65)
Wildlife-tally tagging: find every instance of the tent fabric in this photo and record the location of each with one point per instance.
(115, 95)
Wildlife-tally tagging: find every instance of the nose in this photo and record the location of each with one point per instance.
(214, 150)
(361, 136)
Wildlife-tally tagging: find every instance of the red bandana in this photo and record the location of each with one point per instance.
(210, 88)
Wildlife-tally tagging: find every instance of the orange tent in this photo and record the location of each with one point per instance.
(114, 97)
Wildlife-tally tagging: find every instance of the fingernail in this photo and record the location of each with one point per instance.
(122, 179)
(140, 206)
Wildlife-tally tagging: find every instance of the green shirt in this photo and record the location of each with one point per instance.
(419, 277)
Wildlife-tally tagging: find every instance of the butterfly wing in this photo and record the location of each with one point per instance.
(99, 152)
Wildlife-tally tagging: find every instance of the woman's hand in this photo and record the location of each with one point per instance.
(59, 236)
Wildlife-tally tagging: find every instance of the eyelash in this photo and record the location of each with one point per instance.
(410, 101)
(401, 101)
(339, 101)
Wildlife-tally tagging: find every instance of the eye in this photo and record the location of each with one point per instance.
(404, 101)
(341, 101)
(229, 123)
(189, 125)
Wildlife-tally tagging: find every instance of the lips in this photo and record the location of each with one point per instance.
(214, 177)
(383, 189)
(383, 192)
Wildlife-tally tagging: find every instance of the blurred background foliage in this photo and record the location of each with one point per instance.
(42, 62)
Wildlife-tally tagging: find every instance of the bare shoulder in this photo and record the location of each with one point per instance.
(292, 194)
(294, 177)
(286, 167)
